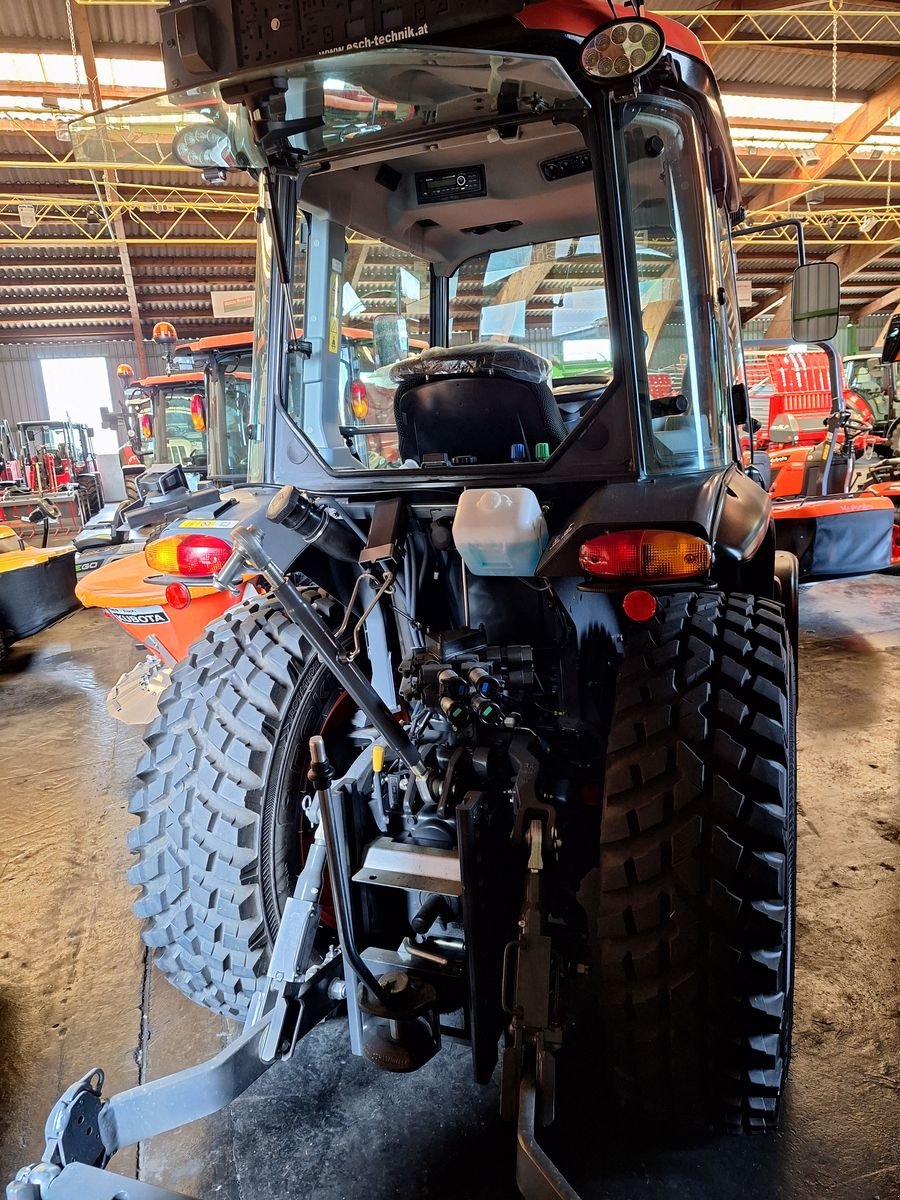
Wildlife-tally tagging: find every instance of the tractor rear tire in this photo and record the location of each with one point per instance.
(691, 908)
(89, 486)
(218, 844)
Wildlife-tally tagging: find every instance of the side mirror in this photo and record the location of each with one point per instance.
(391, 336)
(891, 351)
(815, 302)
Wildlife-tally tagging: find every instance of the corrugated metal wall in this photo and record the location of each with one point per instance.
(22, 395)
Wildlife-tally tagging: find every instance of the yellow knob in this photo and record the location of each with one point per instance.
(377, 759)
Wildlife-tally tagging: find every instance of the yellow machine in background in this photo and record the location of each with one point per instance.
(37, 587)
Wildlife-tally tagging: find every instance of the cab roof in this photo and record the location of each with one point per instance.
(162, 380)
(217, 341)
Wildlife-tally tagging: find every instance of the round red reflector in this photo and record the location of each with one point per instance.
(178, 596)
(639, 605)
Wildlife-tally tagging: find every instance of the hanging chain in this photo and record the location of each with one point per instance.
(76, 57)
(835, 6)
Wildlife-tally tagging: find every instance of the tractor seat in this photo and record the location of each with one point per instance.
(475, 401)
(575, 399)
(813, 471)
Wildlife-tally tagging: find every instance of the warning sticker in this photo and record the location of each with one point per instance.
(139, 616)
(334, 314)
(197, 523)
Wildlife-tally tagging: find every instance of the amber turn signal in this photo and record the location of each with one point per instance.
(657, 554)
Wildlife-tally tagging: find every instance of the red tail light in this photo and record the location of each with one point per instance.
(645, 554)
(146, 425)
(196, 554)
(198, 412)
(359, 399)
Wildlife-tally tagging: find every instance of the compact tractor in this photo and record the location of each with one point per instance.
(53, 465)
(524, 685)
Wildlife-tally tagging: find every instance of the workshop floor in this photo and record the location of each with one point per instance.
(76, 990)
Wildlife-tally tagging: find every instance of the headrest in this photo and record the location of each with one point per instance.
(480, 358)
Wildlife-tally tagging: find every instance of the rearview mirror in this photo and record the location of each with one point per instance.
(815, 302)
(891, 351)
(391, 336)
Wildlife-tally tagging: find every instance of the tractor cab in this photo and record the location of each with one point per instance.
(439, 196)
(878, 383)
(219, 410)
(163, 421)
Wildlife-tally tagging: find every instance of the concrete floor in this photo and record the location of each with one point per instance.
(75, 989)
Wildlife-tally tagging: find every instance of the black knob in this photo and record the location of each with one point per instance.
(456, 713)
(451, 685)
(484, 683)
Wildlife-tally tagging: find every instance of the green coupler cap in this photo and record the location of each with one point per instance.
(542, 451)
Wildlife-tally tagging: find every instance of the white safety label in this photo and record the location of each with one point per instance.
(139, 616)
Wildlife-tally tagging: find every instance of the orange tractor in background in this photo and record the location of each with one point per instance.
(161, 592)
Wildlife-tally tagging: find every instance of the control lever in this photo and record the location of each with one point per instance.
(227, 580)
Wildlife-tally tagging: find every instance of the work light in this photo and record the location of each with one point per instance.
(621, 49)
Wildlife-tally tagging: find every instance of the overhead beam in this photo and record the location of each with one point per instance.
(886, 302)
(167, 266)
(845, 47)
(11, 45)
(19, 87)
(847, 135)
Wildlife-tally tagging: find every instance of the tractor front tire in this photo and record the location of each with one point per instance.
(691, 907)
(218, 844)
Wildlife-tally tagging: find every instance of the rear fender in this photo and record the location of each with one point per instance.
(725, 508)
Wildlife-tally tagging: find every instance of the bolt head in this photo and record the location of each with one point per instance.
(275, 24)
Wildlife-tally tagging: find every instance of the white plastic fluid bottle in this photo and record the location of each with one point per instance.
(500, 531)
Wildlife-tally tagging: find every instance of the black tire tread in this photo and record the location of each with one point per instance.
(202, 780)
(692, 892)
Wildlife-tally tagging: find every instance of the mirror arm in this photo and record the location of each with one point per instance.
(787, 223)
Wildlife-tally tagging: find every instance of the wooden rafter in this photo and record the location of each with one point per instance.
(847, 135)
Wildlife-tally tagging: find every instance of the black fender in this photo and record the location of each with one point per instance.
(724, 507)
(787, 592)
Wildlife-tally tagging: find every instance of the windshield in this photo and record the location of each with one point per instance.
(874, 381)
(234, 380)
(465, 170)
(185, 444)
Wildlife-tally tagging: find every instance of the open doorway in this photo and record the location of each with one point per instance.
(76, 389)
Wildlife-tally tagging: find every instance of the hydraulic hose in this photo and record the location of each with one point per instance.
(329, 649)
